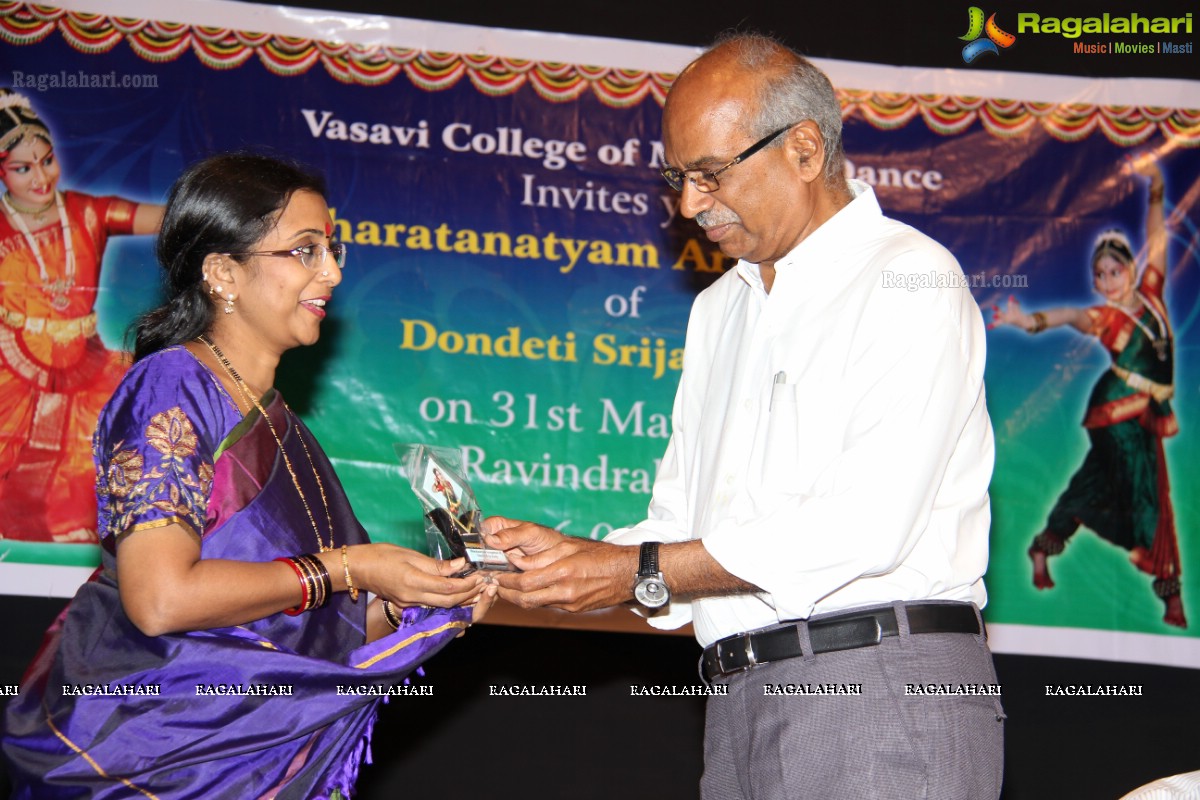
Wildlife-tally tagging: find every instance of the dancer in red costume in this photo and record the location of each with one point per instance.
(55, 373)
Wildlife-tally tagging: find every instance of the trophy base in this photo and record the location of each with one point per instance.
(465, 543)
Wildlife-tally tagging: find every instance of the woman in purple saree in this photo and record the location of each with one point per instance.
(222, 649)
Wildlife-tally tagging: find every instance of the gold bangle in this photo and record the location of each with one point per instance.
(349, 582)
(312, 585)
(1039, 322)
(322, 585)
(389, 614)
(323, 574)
(1156, 193)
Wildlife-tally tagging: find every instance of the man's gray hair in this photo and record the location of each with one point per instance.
(796, 93)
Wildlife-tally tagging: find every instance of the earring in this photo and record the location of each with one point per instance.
(229, 303)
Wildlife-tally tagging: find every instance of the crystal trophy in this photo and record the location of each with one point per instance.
(452, 517)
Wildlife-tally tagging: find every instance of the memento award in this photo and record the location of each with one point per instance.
(452, 517)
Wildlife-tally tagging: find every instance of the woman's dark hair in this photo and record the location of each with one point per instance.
(223, 204)
(1113, 242)
(17, 121)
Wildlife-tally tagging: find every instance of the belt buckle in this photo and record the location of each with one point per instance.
(751, 660)
(748, 648)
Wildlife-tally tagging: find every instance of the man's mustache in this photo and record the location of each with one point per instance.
(711, 218)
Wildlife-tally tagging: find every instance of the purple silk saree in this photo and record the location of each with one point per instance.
(107, 712)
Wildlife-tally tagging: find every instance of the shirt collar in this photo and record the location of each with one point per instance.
(826, 245)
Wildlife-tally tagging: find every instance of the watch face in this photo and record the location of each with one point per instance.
(651, 592)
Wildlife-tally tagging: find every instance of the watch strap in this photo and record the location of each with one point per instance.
(648, 560)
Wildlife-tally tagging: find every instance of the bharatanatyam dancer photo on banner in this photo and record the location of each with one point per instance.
(55, 373)
(1121, 492)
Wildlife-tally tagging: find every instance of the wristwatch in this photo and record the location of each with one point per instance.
(650, 590)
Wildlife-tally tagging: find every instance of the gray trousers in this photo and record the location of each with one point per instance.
(900, 739)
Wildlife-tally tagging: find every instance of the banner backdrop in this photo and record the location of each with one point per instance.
(518, 281)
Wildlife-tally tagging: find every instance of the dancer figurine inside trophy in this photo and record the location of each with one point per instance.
(452, 517)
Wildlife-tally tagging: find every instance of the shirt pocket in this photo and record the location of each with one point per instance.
(781, 464)
(802, 432)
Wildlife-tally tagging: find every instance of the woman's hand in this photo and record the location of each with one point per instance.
(484, 601)
(1146, 165)
(378, 625)
(1011, 314)
(408, 578)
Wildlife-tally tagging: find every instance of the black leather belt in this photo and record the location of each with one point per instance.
(841, 632)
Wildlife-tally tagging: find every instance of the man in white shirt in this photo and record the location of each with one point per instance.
(821, 513)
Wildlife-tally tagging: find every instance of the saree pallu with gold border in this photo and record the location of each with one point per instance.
(271, 709)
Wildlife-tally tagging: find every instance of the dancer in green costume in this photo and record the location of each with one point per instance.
(1121, 491)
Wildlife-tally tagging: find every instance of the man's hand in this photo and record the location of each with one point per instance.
(519, 539)
(560, 571)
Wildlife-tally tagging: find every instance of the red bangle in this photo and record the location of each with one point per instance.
(300, 609)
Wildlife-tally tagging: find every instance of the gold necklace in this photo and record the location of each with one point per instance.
(248, 396)
(1162, 341)
(58, 290)
(33, 211)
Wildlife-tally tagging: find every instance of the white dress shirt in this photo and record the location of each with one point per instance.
(831, 444)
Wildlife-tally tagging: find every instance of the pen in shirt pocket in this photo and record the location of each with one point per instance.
(780, 377)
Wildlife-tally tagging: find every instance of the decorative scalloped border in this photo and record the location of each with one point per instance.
(223, 48)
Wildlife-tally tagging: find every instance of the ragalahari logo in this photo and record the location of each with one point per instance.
(976, 28)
